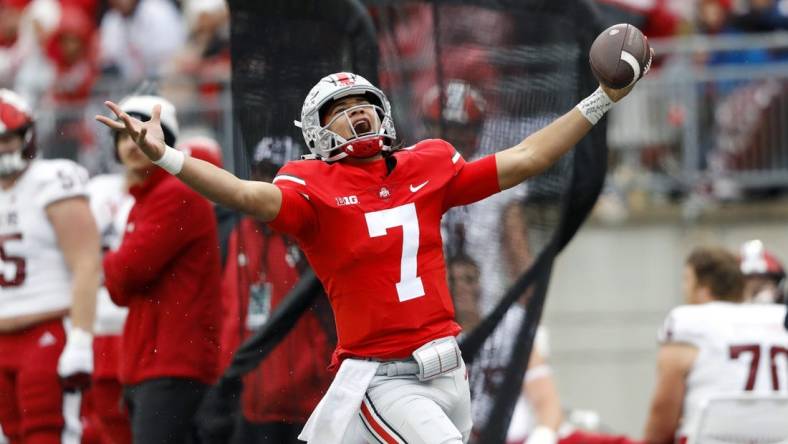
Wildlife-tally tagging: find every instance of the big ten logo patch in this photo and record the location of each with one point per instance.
(346, 200)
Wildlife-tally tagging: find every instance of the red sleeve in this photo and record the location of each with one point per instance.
(296, 216)
(165, 227)
(473, 182)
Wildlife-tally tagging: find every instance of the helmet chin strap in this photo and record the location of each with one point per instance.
(12, 163)
(365, 145)
(363, 148)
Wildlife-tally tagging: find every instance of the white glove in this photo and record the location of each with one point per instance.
(76, 361)
(542, 435)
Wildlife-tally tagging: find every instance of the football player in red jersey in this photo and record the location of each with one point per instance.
(367, 216)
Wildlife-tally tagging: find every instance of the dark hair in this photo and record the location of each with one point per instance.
(718, 270)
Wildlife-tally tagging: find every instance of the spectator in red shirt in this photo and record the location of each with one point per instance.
(73, 51)
(11, 13)
(262, 267)
(167, 272)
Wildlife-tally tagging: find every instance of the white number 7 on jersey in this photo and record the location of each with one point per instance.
(378, 222)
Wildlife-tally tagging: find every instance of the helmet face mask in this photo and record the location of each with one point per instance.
(364, 137)
(326, 144)
(16, 120)
(13, 162)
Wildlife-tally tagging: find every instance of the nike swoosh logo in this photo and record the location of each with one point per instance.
(418, 187)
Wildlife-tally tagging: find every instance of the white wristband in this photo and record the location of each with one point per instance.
(171, 161)
(595, 106)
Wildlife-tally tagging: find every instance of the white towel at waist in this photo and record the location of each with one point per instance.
(329, 422)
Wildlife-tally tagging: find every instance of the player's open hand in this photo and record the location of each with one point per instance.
(147, 135)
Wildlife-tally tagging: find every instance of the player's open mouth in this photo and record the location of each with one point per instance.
(362, 126)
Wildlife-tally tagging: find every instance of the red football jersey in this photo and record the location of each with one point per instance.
(373, 238)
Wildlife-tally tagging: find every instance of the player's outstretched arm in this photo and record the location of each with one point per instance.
(543, 148)
(259, 199)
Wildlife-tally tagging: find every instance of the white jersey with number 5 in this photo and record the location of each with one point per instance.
(34, 277)
(741, 348)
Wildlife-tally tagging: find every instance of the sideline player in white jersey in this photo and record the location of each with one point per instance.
(110, 203)
(50, 268)
(715, 345)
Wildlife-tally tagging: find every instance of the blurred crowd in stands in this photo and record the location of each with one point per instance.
(708, 127)
(60, 51)
(666, 18)
(64, 56)
(57, 51)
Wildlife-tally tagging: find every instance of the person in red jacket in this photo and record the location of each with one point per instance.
(262, 267)
(167, 272)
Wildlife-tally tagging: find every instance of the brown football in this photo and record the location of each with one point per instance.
(620, 56)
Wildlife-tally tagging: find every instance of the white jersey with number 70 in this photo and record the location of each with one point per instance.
(741, 348)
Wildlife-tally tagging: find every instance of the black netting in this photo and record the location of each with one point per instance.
(280, 48)
(526, 64)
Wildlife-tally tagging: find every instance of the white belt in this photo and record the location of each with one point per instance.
(398, 368)
(429, 361)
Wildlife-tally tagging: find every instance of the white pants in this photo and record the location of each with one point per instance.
(402, 409)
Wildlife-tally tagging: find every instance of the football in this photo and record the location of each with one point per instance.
(620, 55)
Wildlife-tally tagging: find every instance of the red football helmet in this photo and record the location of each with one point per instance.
(203, 148)
(456, 114)
(463, 104)
(16, 118)
(757, 262)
